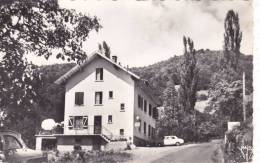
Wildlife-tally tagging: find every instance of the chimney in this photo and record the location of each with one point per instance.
(114, 58)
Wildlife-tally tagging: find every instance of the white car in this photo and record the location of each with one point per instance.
(172, 140)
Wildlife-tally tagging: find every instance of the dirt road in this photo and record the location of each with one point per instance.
(191, 153)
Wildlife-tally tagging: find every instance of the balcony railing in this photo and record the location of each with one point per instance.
(87, 130)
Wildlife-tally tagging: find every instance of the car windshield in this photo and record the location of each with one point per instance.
(11, 142)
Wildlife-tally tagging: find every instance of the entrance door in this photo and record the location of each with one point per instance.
(97, 124)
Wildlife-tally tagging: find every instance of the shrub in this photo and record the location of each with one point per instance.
(81, 156)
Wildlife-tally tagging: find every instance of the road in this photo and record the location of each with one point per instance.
(190, 153)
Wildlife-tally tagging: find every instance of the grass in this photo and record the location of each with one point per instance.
(89, 157)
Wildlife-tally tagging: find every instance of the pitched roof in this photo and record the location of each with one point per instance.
(141, 83)
(145, 86)
(64, 78)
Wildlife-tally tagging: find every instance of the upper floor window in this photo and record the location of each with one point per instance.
(110, 120)
(79, 98)
(122, 132)
(150, 110)
(99, 74)
(98, 98)
(144, 127)
(110, 94)
(122, 107)
(145, 106)
(140, 102)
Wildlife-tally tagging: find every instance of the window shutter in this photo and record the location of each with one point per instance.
(85, 122)
(71, 122)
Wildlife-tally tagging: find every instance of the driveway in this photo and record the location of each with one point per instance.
(190, 153)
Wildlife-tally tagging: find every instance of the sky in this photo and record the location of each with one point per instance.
(141, 33)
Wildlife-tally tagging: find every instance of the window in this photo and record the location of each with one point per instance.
(99, 74)
(140, 127)
(110, 119)
(110, 94)
(122, 132)
(122, 107)
(78, 122)
(149, 130)
(145, 106)
(144, 128)
(71, 123)
(78, 140)
(140, 102)
(150, 110)
(79, 98)
(98, 98)
(11, 142)
(155, 113)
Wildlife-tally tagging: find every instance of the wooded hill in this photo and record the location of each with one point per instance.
(157, 74)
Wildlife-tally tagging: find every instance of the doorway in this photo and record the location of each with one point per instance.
(97, 124)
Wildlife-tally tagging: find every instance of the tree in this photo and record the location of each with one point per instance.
(232, 39)
(168, 123)
(226, 84)
(39, 28)
(189, 77)
(105, 49)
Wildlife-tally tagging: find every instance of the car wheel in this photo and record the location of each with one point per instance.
(177, 144)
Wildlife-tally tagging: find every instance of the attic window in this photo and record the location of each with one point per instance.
(99, 74)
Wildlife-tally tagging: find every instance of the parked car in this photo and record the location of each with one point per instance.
(172, 140)
(13, 149)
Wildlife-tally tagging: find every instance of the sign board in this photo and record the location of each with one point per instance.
(232, 125)
(137, 124)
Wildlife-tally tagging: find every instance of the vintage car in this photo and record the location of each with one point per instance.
(172, 140)
(13, 149)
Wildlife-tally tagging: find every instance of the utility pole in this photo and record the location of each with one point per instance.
(244, 97)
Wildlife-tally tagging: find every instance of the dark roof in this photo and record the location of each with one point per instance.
(145, 86)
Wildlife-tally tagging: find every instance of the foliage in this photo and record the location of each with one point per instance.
(226, 84)
(104, 49)
(39, 28)
(239, 145)
(189, 77)
(80, 156)
(226, 100)
(232, 39)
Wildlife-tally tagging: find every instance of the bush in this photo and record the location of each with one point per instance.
(81, 156)
(240, 140)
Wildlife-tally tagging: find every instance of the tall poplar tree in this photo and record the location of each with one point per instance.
(232, 39)
(189, 77)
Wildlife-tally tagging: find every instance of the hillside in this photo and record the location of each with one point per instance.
(208, 63)
(157, 74)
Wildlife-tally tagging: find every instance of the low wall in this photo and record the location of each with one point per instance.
(116, 146)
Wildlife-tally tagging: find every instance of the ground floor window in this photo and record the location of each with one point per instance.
(78, 122)
(144, 127)
(122, 132)
(110, 119)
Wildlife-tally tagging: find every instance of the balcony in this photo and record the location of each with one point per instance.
(87, 130)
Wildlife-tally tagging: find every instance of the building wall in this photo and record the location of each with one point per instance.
(144, 117)
(66, 143)
(114, 79)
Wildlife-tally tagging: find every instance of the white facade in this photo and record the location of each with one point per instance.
(115, 80)
(103, 102)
